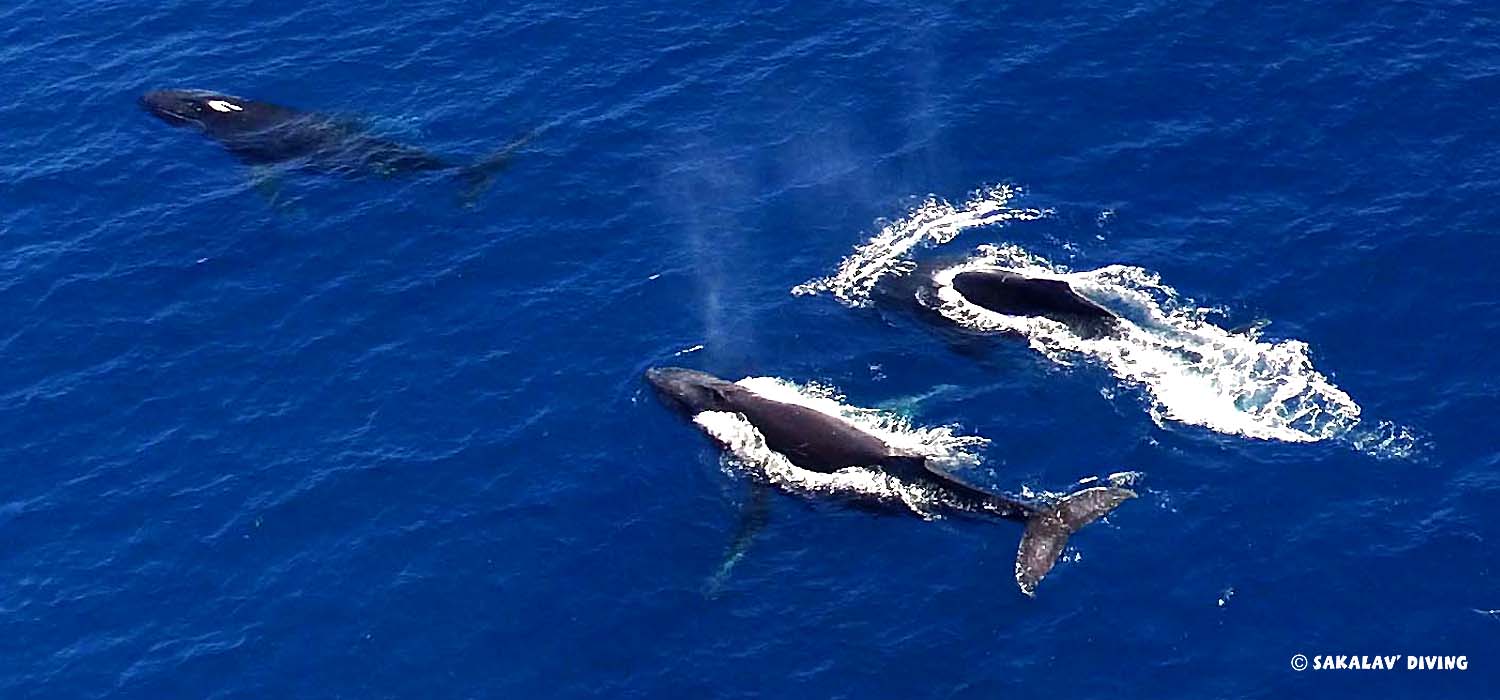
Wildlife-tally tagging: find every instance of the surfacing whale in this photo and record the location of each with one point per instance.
(1013, 294)
(999, 290)
(817, 441)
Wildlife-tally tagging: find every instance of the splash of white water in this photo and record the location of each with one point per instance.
(1191, 370)
(934, 222)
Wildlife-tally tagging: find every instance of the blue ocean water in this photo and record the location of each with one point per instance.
(363, 441)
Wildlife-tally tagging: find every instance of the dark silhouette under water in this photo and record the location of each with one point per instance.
(261, 133)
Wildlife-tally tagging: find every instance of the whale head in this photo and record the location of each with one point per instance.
(197, 108)
(691, 391)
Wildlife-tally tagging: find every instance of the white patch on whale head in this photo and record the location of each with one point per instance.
(224, 106)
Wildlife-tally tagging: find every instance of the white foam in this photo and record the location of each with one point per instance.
(1192, 371)
(934, 222)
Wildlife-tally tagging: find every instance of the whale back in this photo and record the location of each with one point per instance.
(811, 439)
(1012, 294)
(279, 134)
(262, 133)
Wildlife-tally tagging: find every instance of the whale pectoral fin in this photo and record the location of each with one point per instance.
(970, 346)
(754, 515)
(476, 177)
(267, 181)
(1048, 529)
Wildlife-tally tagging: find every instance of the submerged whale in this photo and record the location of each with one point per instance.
(820, 442)
(261, 133)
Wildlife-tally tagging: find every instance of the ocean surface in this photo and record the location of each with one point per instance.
(303, 436)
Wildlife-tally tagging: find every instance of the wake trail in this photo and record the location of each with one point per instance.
(1191, 371)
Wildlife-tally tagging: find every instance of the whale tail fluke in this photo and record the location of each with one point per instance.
(1048, 529)
(477, 176)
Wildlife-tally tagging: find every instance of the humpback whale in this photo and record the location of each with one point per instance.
(817, 441)
(1014, 294)
(261, 133)
(1002, 291)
